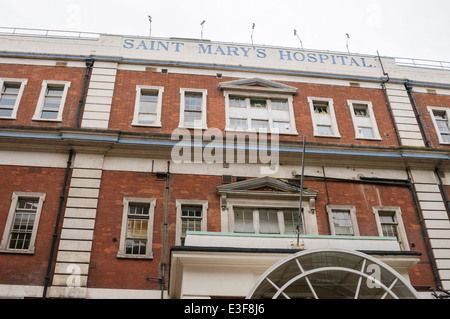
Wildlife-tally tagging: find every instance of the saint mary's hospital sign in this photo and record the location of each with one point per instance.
(205, 51)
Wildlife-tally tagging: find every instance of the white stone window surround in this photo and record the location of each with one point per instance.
(139, 89)
(41, 100)
(10, 220)
(188, 202)
(351, 209)
(247, 114)
(204, 94)
(334, 126)
(123, 234)
(431, 110)
(397, 214)
(371, 116)
(309, 218)
(22, 83)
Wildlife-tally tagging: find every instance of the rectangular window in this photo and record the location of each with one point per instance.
(388, 224)
(260, 125)
(257, 114)
(364, 120)
(238, 124)
(8, 99)
(21, 225)
(342, 223)
(268, 221)
(290, 217)
(323, 117)
(243, 220)
(442, 124)
(342, 220)
(147, 109)
(193, 108)
(51, 101)
(191, 219)
(10, 94)
(137, 228)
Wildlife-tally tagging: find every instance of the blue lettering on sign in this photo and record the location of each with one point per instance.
(247, 52)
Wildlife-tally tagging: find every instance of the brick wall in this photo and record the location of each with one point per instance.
(35, 75)
(20, 269)
(125, 95)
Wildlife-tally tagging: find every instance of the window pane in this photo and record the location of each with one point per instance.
(280, 105)
(259, 103)
(238, 124)
(148, 107)
(243, 220)
(367, 132)
(55, 91)
(268, 221)
(443, 126)
(7, 100)
(51, 103)
(5, 112)
(144, 118)
(260, 125)
(193, 119)
(360, 110)
(136, 246)
(291, 221)
(342, 223)
(237, 102)
(320, 107)
(282, 127)
(324, 130)
(49, 115)
(139, 209)
(193, 101)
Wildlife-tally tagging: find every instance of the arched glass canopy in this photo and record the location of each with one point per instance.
(331, 274)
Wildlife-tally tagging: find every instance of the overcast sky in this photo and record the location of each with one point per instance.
(398, 28)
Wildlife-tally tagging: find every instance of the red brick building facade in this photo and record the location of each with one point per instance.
(96, 203)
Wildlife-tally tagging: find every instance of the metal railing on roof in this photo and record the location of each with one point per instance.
(422, 63)
(49, 33)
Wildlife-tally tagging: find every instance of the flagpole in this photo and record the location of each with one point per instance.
(300, 209)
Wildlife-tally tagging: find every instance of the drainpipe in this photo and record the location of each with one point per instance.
(388, 103)
(166, 213)
(89, 64)
(408, 87)
(58, 217)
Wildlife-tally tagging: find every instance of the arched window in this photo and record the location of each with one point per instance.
(331, 274)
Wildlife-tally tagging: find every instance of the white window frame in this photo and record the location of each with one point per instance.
(188, 202)
(403, 239)
(10, 221)
(334, 126)
(371, 115)
(40, 104)
(123, 234)
(266, 96)
(139, 89)
(431, 110)
(204, 94)
(22, 83)
(353, 219)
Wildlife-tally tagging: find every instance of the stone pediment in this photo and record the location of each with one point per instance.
(258, 85)
(264, 186)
